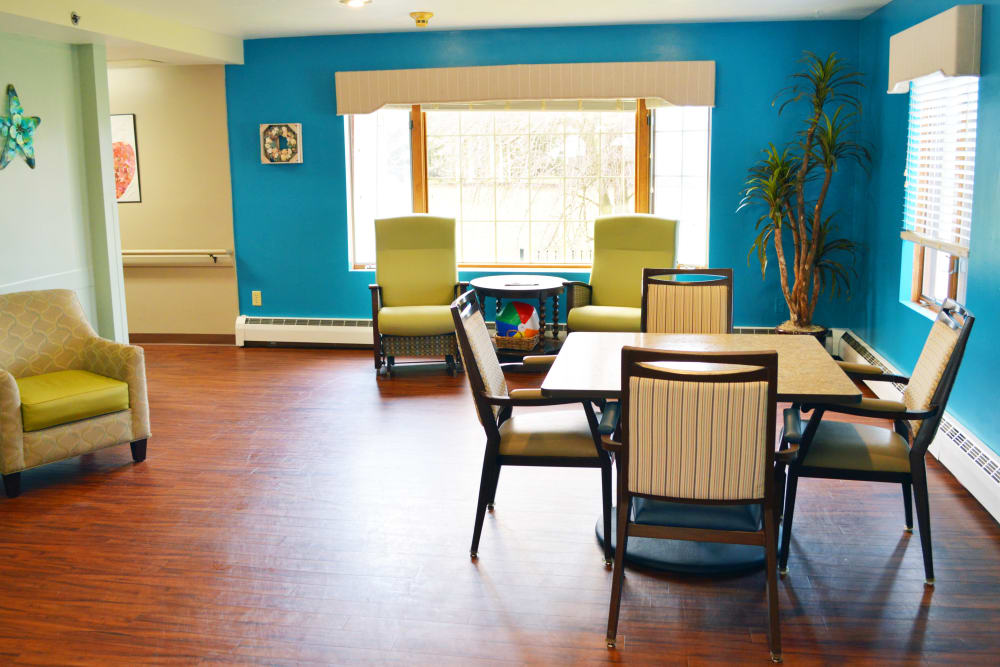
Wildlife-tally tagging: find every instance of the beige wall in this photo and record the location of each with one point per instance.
(182, 137)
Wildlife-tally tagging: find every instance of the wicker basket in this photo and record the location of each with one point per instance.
(519, 343)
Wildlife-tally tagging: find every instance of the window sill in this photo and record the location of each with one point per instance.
(920, 308)
(506, 268)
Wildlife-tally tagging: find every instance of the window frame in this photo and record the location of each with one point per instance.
(642, 195)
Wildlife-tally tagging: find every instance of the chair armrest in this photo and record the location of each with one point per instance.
(879, 409)
(577, 294)
(609, 418)
(126, 363)
(527, 397)
(793, 425)
(787, 455)
(11, 427)
(539, 360)
(869, 372)
(461, 287)
(610, 445)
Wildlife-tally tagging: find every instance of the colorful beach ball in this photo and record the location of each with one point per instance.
(517, 320)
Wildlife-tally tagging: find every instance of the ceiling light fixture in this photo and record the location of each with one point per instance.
(355, 4)
(421, 18)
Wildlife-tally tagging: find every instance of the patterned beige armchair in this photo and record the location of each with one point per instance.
(64, 391)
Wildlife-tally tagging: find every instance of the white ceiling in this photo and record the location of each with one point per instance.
(282, 18)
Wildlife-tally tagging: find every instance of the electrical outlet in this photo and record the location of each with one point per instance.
(255, 297)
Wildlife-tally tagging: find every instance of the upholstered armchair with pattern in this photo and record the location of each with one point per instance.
(64, 391)
(869, 453)
(416, 279)
(623, 246)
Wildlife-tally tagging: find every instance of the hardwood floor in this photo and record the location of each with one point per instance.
(295, 510)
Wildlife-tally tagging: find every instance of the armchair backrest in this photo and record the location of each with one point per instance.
(698, 425)
(702, 306)
(415, 260)
(42, 332)
(934, 375)
(485, 375)
(623, 246)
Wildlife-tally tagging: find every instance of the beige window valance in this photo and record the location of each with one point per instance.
(682, 83)
(948, 43)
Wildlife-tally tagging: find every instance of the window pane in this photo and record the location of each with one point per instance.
(681, 144)
(379, 155)
(526, 186)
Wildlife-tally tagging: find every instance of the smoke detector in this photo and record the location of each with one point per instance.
(421, 18)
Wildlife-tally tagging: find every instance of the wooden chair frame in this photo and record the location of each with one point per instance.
(762, 366)
(955, 317)
(723, 277)
(382, 359)
(464, 307)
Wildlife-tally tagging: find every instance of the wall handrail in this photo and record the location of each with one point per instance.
(178, 257)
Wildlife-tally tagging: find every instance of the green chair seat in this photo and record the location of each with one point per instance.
(604, 318)
(67, 396)
(415, 320)
(846, 446)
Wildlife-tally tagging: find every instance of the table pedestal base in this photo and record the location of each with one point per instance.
(684, 556)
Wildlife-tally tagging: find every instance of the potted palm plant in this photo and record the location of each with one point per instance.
(790, 186)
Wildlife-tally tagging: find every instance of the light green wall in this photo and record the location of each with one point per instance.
(55, 222)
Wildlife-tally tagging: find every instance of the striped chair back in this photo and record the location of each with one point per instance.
(485, 374)
(700, 426)
(702, 306)
(936, 368)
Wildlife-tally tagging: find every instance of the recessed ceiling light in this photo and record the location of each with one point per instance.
(354, 4)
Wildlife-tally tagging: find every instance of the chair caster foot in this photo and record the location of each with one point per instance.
(908, 529)
(611, 643)
(608, 562)
(474, 555)
(489, 507)
(12, 485)
(783, 572)
(929, 583)
(775, 657)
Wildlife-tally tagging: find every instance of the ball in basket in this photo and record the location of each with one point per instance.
(517, 320)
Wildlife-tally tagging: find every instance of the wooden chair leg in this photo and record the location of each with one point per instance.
(786, 521)
(771, 550)
(12, 484)
(452, 369)
(138, 450)
(908, 506)
(924, 521)
(606, 496)
(618, 573)
(489, 474)
(494, 483)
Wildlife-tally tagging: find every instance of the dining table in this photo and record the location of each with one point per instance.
(588, 367)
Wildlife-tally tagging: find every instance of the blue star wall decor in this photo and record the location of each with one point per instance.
(17, 132)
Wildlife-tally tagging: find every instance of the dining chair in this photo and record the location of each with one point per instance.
(671, 304)
(862, 452)
(563, 438)
(698, 427)
(623, 246)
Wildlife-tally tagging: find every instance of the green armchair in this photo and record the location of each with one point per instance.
(415, 283)
(623, 246)
(64, 391)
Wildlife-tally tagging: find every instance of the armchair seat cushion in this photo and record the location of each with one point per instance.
(858, 447)
(605, 318)
(548, 433)
(67, 396)
(415, 320)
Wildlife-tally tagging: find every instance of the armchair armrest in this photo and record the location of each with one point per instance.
(126, 363)
(610, 445)
(793, 425)
(11, 428)
(539, 360)
(879, 409)
(577, 294)
(527, 397)
(461, 287)
(609, 418)
(869, 372)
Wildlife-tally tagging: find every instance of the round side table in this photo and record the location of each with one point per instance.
(523, 287)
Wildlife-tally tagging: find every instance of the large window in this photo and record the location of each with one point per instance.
(940, 168)
(525, 186)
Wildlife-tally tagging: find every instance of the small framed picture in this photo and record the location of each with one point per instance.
(281, 143)
(126, 159)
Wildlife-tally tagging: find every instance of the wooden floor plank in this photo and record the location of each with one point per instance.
(295, 510)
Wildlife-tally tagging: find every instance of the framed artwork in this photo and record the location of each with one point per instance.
(126, 155)
(281, 143)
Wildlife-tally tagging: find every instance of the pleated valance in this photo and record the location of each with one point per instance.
(948, 43)
(681, 83)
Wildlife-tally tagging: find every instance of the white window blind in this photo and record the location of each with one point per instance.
(940, 162)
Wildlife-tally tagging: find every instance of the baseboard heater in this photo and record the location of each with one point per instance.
(304, 331)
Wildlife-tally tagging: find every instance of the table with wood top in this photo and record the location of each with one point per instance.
(589, 366)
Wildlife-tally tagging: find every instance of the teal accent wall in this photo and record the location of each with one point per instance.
(291, 221)
(895, 330)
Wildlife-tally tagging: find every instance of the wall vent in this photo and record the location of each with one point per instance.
(974, 464)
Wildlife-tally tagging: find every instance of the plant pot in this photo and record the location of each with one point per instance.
(820, 333)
